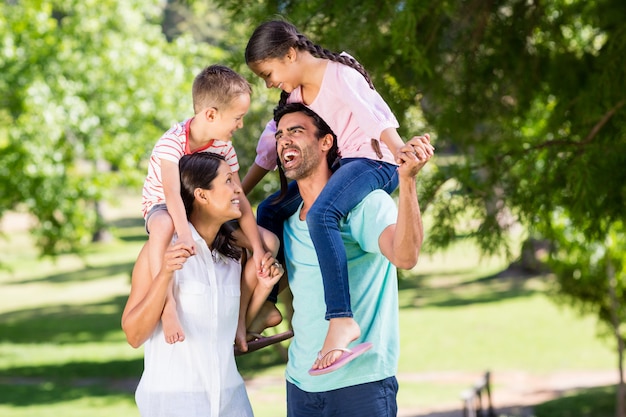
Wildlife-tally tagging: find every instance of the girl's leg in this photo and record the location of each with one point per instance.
(352, 182)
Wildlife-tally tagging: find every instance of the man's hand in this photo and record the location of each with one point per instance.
(414, 155)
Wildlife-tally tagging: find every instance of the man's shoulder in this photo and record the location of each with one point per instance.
(376, 199)
(372, 215)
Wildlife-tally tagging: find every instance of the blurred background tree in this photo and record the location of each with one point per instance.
(87, 89)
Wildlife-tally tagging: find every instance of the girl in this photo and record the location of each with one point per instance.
(339, 89)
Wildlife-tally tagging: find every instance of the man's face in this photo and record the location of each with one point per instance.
(297, 145)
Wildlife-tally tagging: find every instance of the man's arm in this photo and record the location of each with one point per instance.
(401, 242)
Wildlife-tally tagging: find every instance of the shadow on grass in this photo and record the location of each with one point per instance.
(508, 284)
(63, 323)
(84, 274)
(114, 369)
(34, 393)
(257, 362)
(585, 402)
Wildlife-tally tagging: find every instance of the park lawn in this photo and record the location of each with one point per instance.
(62, 351)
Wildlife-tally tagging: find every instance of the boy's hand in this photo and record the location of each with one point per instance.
(259, 261)
(188, 241)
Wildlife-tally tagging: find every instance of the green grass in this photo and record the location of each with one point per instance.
(592, 402)
(62, 351)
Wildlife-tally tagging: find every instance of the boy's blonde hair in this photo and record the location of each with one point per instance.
(217, 86)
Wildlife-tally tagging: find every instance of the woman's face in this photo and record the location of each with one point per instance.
(279, 73)
(223, 197)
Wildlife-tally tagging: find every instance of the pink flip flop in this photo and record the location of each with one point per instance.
(346, 356)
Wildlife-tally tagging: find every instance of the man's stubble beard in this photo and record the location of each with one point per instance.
(309, 163)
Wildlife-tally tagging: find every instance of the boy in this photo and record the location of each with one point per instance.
(221, 98)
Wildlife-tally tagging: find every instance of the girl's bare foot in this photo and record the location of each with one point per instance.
(341, 331)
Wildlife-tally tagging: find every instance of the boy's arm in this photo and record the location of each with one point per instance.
(401, 242)
(175, 207)
(248, 225)
(252, 178)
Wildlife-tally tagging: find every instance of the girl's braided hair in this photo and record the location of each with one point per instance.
(273, 39)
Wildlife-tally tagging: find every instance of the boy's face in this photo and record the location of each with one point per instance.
(230, 119)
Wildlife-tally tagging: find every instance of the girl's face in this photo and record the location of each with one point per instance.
(280, 73)
(223, 197)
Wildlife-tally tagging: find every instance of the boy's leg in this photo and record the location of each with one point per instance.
(254, 315)
(161, 230)
(347, 187)
(249, 282)
(271, 216)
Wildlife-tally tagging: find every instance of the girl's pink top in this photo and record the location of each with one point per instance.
(354, 111)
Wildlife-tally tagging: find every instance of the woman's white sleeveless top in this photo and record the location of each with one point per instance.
(197, 377)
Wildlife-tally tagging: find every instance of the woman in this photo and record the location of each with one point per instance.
(198, 376)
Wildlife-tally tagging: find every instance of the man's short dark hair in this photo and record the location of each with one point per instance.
(332, 157)
(322, 127)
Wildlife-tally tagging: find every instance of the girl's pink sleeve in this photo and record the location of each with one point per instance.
(266, 148)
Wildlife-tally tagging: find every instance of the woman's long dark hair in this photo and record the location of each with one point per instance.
(273, 39)
(198, 170)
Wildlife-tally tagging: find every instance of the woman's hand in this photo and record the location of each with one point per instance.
(271, 271)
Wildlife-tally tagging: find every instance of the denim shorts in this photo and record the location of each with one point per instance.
(154, 209)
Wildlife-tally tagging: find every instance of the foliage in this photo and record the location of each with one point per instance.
(90, 86)
(526, 97)
(531, 94)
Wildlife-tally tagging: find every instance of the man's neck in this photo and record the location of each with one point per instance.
(310, 188)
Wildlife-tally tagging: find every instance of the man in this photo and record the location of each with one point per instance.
(378, 237)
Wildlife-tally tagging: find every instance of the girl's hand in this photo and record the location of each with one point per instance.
(414, 155)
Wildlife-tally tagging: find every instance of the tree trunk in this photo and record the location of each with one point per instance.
(620, 411)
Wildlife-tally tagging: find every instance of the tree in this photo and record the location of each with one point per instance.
(88, 87)
(528, 103)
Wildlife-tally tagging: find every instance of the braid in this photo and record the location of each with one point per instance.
(283, 98)
(321, 52)
(273, 39)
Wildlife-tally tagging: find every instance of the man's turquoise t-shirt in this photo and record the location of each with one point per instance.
(373, 292)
